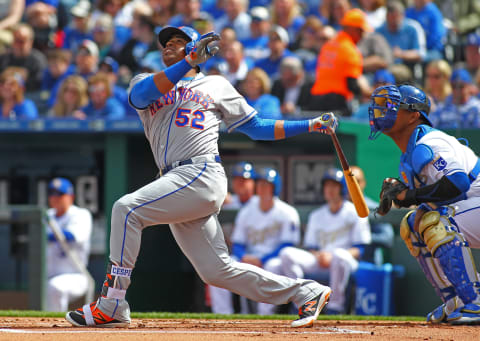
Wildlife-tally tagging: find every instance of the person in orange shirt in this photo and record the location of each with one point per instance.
(339, 67)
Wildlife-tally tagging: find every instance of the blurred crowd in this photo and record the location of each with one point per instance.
(74, 59)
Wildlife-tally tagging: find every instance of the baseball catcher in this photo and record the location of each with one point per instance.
(440, 176)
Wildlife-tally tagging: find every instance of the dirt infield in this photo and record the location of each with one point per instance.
(32, 329)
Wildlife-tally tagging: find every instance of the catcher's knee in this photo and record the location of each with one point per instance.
(433, 231)
(407, 234)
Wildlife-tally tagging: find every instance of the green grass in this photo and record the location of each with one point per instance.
(166, 315)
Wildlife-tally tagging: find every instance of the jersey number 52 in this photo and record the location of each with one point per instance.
(187, 118)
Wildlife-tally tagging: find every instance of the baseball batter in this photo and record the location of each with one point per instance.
(181, 110)
(334, 239)
(65, 281)
(440, 175)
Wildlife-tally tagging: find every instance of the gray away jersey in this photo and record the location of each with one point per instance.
(185, 122)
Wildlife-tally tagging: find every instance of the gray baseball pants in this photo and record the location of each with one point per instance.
(188, 198)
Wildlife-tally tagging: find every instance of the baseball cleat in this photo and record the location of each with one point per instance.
(91, 316)
(309, 312)
(438, 315)
(468, 314)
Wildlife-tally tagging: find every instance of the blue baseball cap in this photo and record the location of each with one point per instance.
(461, 75)
(244, 170)
(60, 186)
(473, 39)
(383, 76)
(112, 63)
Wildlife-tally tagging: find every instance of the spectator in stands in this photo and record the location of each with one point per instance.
(305, 45)
(288, 14)
(322, 36)
(187, 11)
(11, 12)
(203, 23)
(339, 67)
(376, 51)
(463, 15)
(143, 40)
(24, 55)
(256, 89)
(383, 234)
(461, 109)
(110, 67)
(405, 36)
(121, 22)
(380, 78)
(235, 66)
(80, 28)
(163, 10)
(375, 11)
(472, 53)
(431, 19)
(334, 241)
(293, 87)
(13, 103)
(264, 227)
(65, 281)
(437, 82)
(235, 16)
(86, 59)
(278, 42)
(102, 103)
(72, 96)
(58, 69)
(103, 35)
(338, 8)
(402, 73)
(42, 16)
(256, 45)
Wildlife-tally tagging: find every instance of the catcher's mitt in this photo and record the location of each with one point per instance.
(391, 187)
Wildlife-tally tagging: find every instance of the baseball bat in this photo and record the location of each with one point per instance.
(352, 185)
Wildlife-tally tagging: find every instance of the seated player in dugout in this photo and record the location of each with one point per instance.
(439, 175)
(181, 110)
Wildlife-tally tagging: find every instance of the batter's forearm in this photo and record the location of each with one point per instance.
(267, 129)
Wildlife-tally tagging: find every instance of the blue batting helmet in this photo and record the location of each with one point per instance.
(190, 34)
(387, 100)
(244, 170)
(336, 175)
(271, 175)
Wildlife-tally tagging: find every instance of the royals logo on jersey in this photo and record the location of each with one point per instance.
(440, 164)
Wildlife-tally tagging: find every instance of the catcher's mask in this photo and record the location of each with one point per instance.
(387, 100)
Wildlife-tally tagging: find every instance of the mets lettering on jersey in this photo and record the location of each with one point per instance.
(185, 94)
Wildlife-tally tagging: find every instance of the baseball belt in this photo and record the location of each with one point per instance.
(195, 159)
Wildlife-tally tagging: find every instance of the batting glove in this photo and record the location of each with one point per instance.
(323, 122)
(201, 50)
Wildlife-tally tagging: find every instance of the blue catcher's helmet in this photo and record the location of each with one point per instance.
(387, 100)
(244, 170)
(336, 175)
(190, 34)
(272, 176)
